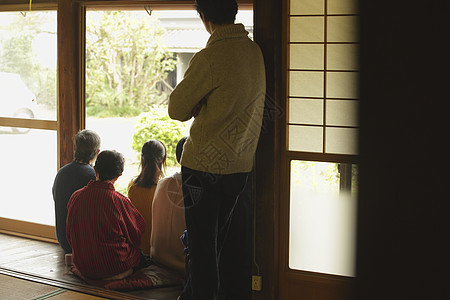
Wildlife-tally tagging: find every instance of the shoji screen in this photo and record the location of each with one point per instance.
(321, 132)
(322, 76)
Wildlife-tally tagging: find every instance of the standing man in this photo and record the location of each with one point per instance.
(72, 177)
(223, 89)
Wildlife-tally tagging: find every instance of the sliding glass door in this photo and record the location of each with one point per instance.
(28, 118)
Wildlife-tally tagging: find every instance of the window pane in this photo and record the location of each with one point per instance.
(28, 64)
(306, 111)
(307, 7)
(306, 57)
(29, 163)
(322, 218)
(306, 29)
(305, 138)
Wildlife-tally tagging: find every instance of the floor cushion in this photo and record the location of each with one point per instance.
(150, 277)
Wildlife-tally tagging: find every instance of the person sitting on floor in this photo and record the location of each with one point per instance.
(168, 221)
(72, 177)
(142, 189)
(103, 227)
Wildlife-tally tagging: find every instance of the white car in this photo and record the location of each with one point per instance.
(16, 99)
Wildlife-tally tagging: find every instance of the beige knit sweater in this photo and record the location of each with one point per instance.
(228, 78)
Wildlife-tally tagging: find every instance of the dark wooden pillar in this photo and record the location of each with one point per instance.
(267, 33)
(69, 100)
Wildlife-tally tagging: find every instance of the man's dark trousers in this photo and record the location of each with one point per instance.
(209, 201)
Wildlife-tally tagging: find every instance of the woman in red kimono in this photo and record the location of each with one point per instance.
(103, 227)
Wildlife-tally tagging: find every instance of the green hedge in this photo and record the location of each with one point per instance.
(156, 124)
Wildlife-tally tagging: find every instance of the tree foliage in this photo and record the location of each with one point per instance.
(125, 61)
(156, 124)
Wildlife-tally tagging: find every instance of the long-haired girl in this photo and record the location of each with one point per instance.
(142, 188)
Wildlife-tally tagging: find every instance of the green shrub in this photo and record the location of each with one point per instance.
(156, 124)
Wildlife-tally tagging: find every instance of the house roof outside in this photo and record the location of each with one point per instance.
(185, 32)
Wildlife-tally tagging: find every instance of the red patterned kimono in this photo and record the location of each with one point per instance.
(104, 230)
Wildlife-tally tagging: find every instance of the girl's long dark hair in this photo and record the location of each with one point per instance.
(153, 157)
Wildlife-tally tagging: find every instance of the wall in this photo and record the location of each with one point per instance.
(403, 221)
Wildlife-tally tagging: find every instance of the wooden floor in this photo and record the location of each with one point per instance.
(43, 263)
(12, 288)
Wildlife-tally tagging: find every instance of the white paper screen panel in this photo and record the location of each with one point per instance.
(342, 113)
(306, 84)
(307, 29)
(341, 57)
(342, 85)
(307, 7)
(307, 57)
(306, 111)
(308, 138)
(342, 29)
(341, 140)
(339, 6)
